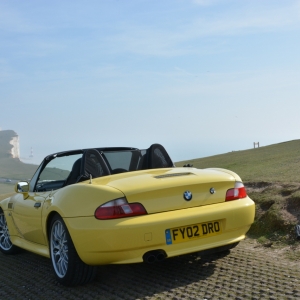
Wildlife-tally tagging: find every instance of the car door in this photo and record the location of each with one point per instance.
(27, 213)
(27, 210)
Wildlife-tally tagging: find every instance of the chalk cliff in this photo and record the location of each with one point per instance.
(9, 144)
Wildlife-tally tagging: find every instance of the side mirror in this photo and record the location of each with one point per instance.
(22, 187)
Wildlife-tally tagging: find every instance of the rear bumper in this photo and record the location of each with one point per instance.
(127, 240)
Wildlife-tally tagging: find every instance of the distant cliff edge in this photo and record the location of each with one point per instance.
(9, 144)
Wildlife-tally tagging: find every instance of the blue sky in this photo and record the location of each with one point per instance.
(201, 77)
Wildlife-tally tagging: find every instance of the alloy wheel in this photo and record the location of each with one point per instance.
(59, 248)
(5, 242)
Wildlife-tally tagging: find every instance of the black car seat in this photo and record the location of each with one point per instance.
(158, 157)
(90, 165)
(75, 173)
(94, 164)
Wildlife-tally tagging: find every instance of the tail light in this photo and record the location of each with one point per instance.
(237, 192)
(119, 208)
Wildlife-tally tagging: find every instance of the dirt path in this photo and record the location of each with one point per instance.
(248, 272)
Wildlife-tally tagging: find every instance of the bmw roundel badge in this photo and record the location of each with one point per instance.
(187, 195)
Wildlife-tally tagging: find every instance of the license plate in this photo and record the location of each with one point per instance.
(192, 232)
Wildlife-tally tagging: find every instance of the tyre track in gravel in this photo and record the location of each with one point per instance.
(248, 272)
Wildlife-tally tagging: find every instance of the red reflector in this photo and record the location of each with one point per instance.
(119, 208)
(238, 192)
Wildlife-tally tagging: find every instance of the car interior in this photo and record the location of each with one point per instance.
(100, 162)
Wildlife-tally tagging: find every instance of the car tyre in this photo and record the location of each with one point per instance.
(6, 245)
(68, 268)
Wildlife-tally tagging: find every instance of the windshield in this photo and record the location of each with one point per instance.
(58, 168)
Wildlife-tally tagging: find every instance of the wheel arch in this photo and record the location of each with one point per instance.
(4, 204)
(50, 217)
(68, 268)
(7, 213)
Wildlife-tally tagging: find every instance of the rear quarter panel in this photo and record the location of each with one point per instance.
(80, 200)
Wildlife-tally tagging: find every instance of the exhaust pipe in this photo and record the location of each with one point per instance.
(161, 255)
(149, 258)
(154, 256)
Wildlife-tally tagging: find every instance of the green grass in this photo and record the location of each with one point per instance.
(279, 163)
(6, 188)
(6, 195)
(13, 168)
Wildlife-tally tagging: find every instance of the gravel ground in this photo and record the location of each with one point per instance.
(249, 271)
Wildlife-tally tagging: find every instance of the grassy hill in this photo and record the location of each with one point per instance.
(13, 168)
(278, 162)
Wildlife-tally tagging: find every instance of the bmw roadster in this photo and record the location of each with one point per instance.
(98, 206)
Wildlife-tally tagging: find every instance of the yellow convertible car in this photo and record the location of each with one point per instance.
(98, 206)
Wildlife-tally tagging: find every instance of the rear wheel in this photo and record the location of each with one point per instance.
(68, 268)
(6, 245)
